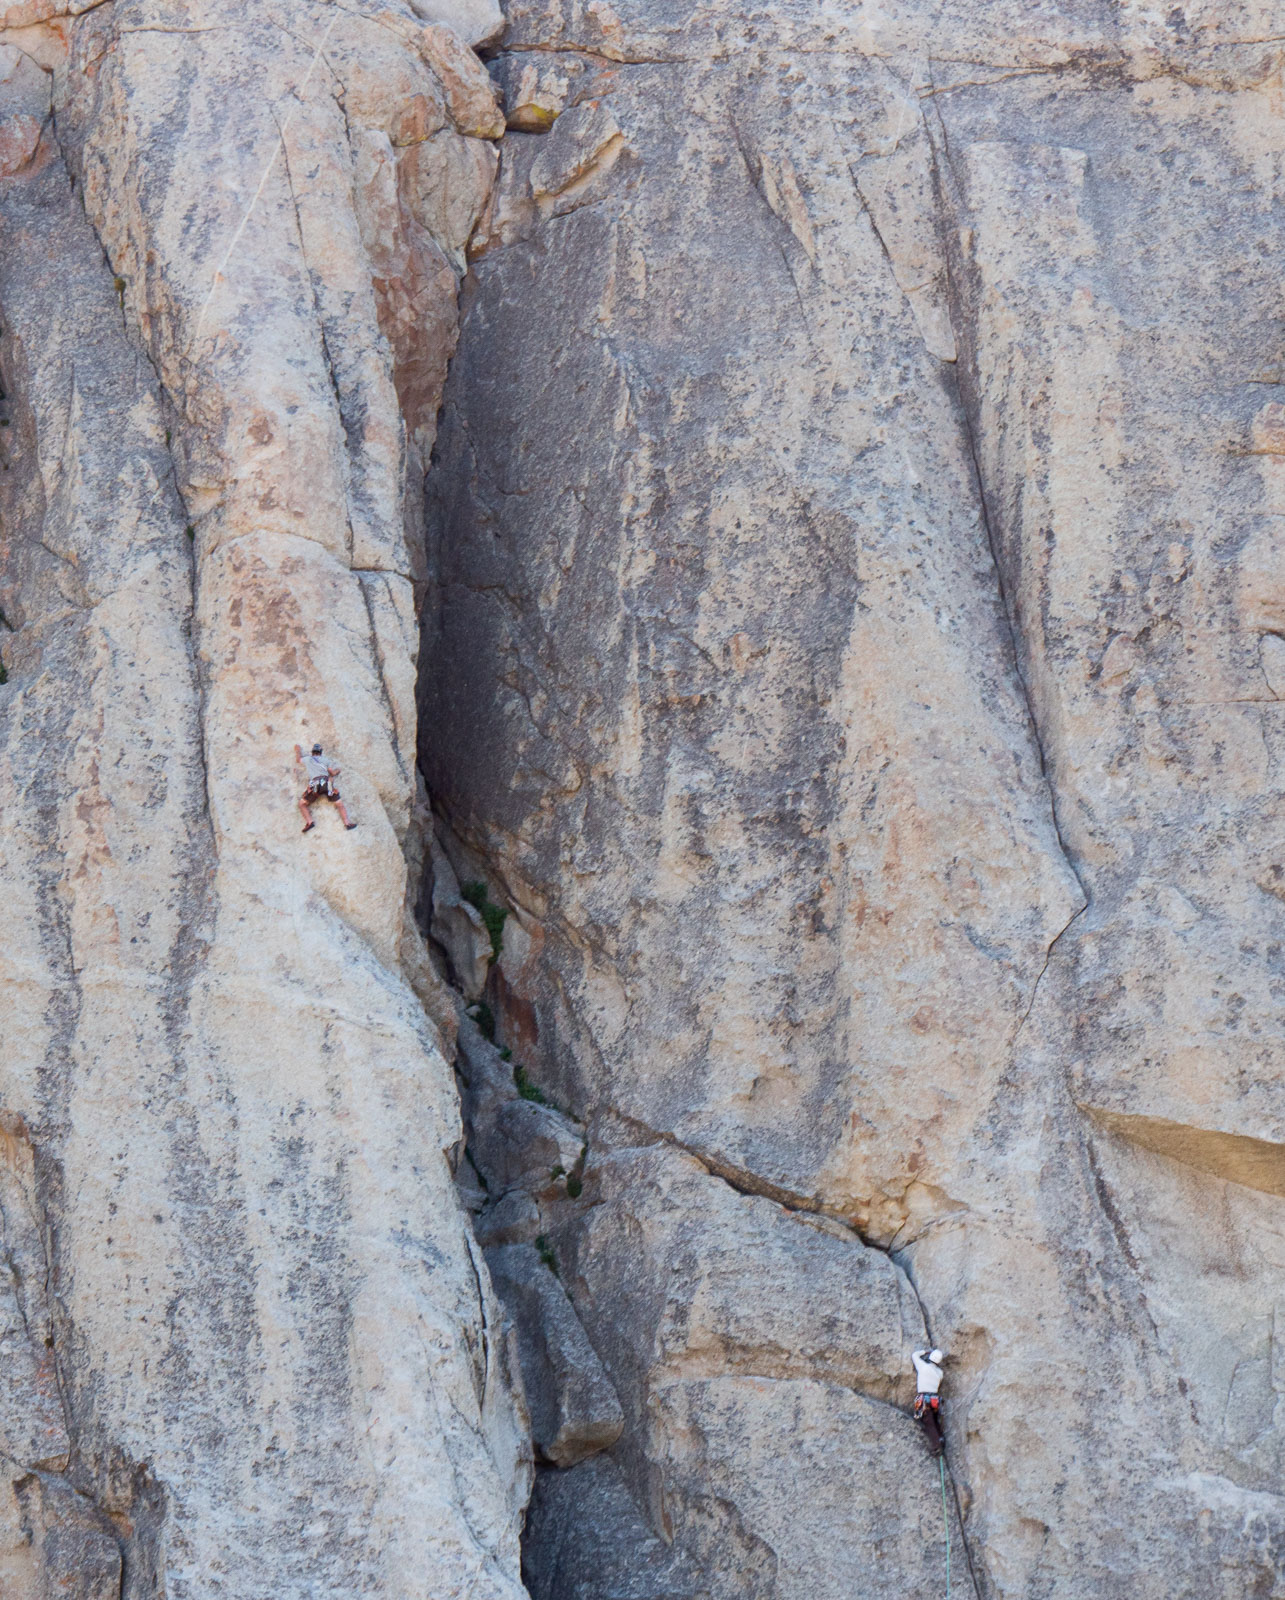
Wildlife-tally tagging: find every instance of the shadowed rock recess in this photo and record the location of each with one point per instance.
(779, 514)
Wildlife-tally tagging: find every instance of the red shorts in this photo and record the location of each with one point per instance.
(323, 789)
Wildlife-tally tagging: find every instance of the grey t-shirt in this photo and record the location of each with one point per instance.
(317, 767)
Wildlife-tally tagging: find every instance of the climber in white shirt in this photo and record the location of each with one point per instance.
(928, 1377)
(321, 776)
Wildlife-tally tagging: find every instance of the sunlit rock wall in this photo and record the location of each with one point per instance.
(853, 650)
(249, 1343)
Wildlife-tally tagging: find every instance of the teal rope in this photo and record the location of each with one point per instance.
(945, 1517)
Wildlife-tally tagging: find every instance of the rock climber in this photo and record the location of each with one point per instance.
(321, 785)
(928, 1401)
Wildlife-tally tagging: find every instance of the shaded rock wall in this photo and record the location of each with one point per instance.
(852, 656)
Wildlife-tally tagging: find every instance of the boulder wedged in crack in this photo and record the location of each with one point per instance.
(574, 1409)
(521, 1157)
(720, 1282)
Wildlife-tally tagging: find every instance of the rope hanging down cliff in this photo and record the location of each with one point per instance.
(928, 1377)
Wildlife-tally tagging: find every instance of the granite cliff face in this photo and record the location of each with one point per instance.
(250, 1345)
(808, 679)
(854, 655)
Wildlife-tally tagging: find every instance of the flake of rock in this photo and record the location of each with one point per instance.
(478, 22)
(722, 1282)
(574, 1409)
(583, 141)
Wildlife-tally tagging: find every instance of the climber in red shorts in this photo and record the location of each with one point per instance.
(321, 785)
(928, 1402)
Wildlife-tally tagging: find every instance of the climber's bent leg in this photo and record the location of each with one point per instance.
(928, 1416)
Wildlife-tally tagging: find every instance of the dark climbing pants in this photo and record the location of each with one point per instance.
(928, 1416)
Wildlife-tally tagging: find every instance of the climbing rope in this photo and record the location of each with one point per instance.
(945, 1517)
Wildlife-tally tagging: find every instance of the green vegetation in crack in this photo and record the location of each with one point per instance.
(492, 915)
(533, 1092)
(527, 1089)
(575, 1178)
(546, 1254)
(574, 1181)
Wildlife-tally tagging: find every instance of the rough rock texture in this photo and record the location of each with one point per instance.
(854, 656)
(249, 1343)
(786, 502)
(760, 1355)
